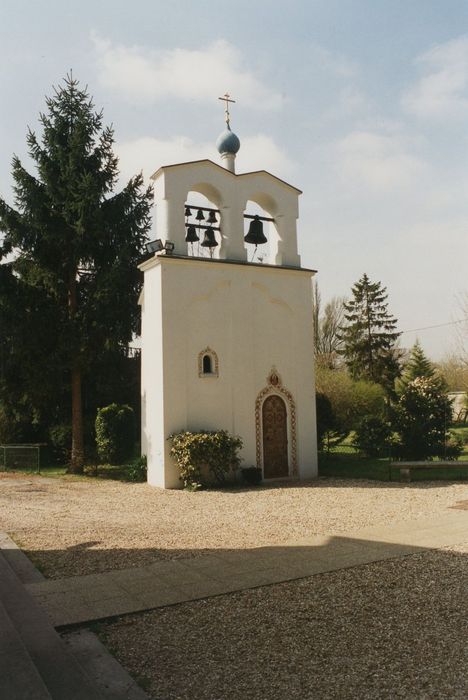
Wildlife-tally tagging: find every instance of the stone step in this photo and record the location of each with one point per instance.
(112, 680)
(19, 678)
(61, 674)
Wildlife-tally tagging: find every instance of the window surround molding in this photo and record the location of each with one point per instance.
(214, 363)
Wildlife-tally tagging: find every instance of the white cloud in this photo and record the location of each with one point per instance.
(441, 93)
(257, 152)
(260, 152)
(332, 61)
(144, 75)
(378, 161)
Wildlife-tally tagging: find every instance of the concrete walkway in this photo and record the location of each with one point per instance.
(84, 598)
(36, 663)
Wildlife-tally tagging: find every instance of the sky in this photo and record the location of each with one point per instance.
(362, 104)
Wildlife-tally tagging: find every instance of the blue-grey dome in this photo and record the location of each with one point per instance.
(228, 142)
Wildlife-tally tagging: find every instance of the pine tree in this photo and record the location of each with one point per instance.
(76, 246)
(369, 336)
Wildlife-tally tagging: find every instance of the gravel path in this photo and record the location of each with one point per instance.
(78, 526)
(394, 629)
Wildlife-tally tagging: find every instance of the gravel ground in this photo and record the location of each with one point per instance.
(393, 629)
(77, 526)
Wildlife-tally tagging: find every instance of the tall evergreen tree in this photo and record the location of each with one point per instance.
(369, 336)
(76, 246)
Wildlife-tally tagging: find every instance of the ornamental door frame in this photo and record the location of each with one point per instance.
(275, 386)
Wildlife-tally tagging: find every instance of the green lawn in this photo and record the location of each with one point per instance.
(102, 471)
(462, 431)
(353, 466)
(344, 461)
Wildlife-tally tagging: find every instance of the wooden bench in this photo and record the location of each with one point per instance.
(407, 467)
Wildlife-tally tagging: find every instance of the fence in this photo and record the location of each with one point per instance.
(26, 456)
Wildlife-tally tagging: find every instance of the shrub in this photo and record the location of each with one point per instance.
(252, 475)
(60, 437)
(453, 447)
(137, 470)
(350, 400)
(372, 436)
(115, 433)
(205, 456)
(420, 418)
(325, 418)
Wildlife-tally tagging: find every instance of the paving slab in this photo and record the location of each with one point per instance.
(35, 662)
(59, 672)
(113, 681)
(98, 596)
(19, 678)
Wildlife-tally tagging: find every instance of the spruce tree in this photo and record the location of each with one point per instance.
(418, 365)
(369, 336)
(76, 246)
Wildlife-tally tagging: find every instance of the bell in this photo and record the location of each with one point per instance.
(255, 235)
(188, 212)
(200, 215)
(209, 240)
(191, 235)
(212, 218)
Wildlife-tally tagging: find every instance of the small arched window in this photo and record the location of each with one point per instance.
(208, 365)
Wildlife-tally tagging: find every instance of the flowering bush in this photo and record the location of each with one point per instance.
(421, 417)
(205, 456)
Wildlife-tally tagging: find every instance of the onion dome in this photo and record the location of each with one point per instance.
(228, 142)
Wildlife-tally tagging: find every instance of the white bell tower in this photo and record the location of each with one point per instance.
(227, 325)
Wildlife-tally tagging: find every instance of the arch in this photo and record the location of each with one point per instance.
(207, 190)
(275, 386)
(199, 198)
(208, 363)
(265, 201)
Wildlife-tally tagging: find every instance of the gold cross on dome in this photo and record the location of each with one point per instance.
(226, 99)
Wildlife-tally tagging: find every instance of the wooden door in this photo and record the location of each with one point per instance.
(275, 438)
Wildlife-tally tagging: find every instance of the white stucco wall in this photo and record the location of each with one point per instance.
(254, 317)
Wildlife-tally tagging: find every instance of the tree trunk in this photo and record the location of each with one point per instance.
(77, 450)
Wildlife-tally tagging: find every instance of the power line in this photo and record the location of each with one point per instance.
(439, 325)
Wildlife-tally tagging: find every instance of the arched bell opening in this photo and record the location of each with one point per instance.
(258, 230)
(203, 222)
